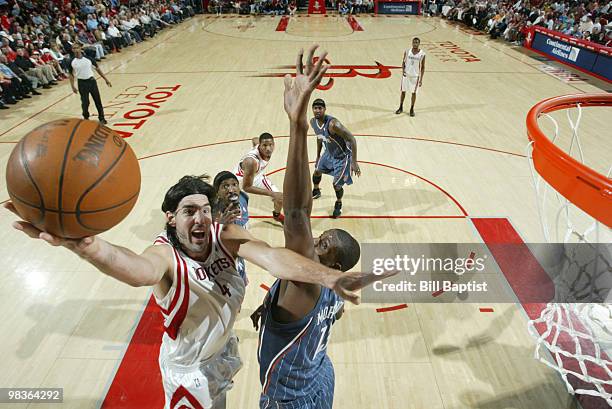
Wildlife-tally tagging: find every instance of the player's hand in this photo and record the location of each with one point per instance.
(109, 83)
(82, 247)
(256, 316)
(74, 90)
(298, 90)
(420, 83)
(345, 284)
(355, 170)
(230, 214)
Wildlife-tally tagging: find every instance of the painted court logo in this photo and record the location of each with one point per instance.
(376, 71)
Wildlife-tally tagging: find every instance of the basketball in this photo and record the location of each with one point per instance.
(73, 178)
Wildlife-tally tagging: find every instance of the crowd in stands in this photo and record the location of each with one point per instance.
(36, 39)
(582, 19)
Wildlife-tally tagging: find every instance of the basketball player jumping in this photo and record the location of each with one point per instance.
(413, 69)
(295, 370)
(192, 270)
(250, 172)
(340, 156)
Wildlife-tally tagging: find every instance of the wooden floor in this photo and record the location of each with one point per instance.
(66, 325)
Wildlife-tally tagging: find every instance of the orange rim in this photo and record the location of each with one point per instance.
(586, 188)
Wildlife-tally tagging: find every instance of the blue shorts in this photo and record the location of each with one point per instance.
(339, 168)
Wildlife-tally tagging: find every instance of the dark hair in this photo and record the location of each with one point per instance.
(187, 185)
(348, 250)
(221, 176)
(416, 38)
(318, 103)
(265, 136)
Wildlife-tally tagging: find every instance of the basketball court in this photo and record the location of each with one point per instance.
(457, 172)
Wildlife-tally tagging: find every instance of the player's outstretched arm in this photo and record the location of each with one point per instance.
(297, 196)
(285, 264)
(118, 262)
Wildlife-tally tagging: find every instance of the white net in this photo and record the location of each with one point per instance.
(575, 338)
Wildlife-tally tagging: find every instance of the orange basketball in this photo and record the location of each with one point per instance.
(73, 178)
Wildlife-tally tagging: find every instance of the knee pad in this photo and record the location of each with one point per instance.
(316, 179)
(339, 193)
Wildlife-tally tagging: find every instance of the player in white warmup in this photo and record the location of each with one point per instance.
(413, 70)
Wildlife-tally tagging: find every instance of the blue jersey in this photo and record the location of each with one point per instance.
(293, 361)
(243, 201)
(335, 145)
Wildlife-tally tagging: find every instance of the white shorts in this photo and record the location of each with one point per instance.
(410, 84)
(200, 385)
(261, 181)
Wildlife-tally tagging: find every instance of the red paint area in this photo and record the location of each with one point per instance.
(354, 23)
(282, 24)
(137, 383)
(529, 281)
(482, 309)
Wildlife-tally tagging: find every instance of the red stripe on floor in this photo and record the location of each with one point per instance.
(437, 293)
(282, 24)
(354, 23)
(393, 308)
(485, 309)
(531, 282)
(265, 287)
(137, 383)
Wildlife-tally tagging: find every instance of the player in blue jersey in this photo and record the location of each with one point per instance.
(296, 318)
(340, 156)
(231, 206)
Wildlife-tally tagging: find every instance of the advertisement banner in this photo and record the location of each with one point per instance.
(564, 51)
(398, 7)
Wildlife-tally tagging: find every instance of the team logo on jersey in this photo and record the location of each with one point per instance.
(376, 71)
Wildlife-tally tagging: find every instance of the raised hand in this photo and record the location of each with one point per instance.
(230, 214)
(82, 247)
(299, 89)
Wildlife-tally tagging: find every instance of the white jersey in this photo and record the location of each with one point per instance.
(261, 163)
(413, 63)
(202, 304)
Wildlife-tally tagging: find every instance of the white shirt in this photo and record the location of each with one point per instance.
(413, 62)
(82, 68)
(253, 154)
(201, 306)
(113, 31)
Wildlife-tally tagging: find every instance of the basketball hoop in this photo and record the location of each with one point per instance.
(578, 336)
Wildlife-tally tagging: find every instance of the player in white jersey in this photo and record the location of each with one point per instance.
(191, 268)
(252, 176)
(413, 70)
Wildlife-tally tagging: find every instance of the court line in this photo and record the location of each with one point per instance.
(396, 217)
(108, 72)
(295, 38)
(360, 135)
(392, 308)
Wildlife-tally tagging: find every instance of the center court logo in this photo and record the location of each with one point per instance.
(376, 71)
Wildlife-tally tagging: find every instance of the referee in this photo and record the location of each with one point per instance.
(81, 67)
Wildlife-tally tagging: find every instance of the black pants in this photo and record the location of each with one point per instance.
(86, 87)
